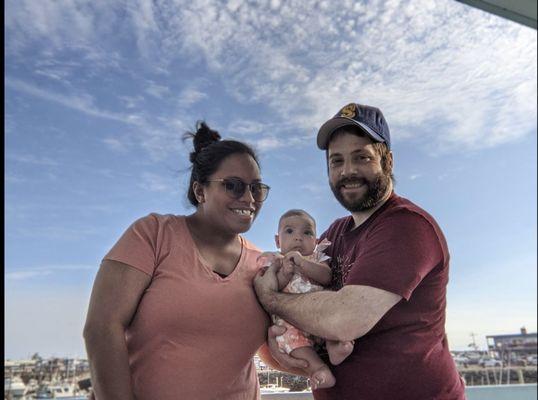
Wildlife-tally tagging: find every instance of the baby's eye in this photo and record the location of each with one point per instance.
(289, 230)
(309, 233)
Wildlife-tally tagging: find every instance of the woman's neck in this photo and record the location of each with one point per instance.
(205, 232)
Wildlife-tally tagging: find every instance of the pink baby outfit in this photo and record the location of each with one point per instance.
(295, 338)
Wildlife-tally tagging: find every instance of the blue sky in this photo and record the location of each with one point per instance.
(98, 95)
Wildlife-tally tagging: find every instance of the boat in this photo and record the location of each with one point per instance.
(62, 391)
(65, 391)
(273, 388)
(14, 387)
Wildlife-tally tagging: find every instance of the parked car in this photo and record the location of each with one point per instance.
(461, 360)
(490, 362)
(473, 357)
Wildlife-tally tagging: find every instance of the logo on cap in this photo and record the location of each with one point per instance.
(349, 111)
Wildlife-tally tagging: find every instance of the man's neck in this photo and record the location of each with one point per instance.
(359, 217)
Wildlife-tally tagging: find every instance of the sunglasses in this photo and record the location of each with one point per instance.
(236, 188)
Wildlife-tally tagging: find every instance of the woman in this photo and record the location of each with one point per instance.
(173, 313)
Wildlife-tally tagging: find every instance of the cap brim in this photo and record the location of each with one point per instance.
(326, 130)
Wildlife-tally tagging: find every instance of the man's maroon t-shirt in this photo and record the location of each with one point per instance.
(400, 249)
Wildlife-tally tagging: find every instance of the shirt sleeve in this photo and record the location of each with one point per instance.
(397, 254)
(137, 246)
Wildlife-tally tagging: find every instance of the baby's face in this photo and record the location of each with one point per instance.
(297, 233)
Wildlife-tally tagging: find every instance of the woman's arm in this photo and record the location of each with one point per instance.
(115, 296)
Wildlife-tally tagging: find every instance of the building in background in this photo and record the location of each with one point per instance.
(509, 348)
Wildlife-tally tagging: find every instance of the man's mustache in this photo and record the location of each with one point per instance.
(351, 181)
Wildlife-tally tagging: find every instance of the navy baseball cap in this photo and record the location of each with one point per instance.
(369, 119)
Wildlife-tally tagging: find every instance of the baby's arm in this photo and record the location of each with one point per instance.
(317, 271)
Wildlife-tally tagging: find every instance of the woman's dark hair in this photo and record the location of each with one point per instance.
(209, 152)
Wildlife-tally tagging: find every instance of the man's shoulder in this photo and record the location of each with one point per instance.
(402, 206)
(405, 213)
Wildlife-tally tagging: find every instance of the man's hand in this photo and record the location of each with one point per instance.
(266, 283)
(270, 257)
(286, 361)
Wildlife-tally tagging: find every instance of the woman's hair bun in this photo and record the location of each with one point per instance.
(203, 137)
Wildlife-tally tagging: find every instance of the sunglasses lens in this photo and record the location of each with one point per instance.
(259, 191)
(235, 187)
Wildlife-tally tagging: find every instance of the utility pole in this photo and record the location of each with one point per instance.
(473, 344)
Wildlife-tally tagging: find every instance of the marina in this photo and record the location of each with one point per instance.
(491, 383)
(507, 370)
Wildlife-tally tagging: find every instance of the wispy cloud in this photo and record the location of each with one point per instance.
(157, 90)
(314, 188)
(53, 232)
(31, 273)
(32, 159)
(131, 102)
(422, 69)
(190, 96)
(24, 275)
(442, 72)
(11, 178)
(82, 102)
(115, 144)
(157, 183)
(268, 143)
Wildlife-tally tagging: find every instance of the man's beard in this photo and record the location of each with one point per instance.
(376, 190)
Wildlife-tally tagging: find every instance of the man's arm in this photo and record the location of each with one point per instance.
(343, 315)
(284, 272)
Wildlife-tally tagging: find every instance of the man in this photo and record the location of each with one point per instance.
(390, 270)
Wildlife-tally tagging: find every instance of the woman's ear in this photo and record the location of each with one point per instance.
(198, 190)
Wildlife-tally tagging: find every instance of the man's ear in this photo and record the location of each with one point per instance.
(277, 241)
(198, 190)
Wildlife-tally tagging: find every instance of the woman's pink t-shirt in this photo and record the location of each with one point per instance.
(194, 333)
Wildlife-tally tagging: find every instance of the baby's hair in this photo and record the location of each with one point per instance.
(296, 212)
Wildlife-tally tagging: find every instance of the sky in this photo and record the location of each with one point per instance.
(99, 94)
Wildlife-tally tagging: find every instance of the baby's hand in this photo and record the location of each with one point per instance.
(294, 258)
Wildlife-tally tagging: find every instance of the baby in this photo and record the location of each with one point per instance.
(304, 268)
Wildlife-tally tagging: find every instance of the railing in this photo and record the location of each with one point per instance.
(498, 392)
